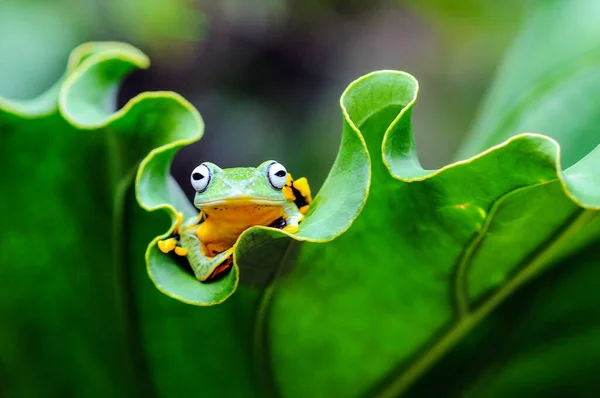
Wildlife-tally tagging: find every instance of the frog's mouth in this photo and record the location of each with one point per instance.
(241, 201)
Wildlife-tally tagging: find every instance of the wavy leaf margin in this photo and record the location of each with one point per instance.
(579, 183)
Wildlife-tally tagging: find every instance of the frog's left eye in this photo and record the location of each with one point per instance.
(277, 175)
(200, 178)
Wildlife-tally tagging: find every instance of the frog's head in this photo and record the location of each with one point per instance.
(239, 186)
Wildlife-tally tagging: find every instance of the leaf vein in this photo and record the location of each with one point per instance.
(469, 320)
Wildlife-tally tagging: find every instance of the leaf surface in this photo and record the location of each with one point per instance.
(543, 340)
(79, 314)
(432, 254)
(60, 303)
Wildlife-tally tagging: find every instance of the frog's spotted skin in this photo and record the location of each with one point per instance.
(231, 201)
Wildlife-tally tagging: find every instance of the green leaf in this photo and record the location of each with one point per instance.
(432, 254)
(60, 263)
(544, 339)
(79, 314)
(188, 349)
(260, 251)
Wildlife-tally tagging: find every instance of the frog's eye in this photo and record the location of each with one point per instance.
(277, 175)
(200, 178)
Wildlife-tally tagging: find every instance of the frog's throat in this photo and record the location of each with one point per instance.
(224, 223)
(242, 214)
(240, 201)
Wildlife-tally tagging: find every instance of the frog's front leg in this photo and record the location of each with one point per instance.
(205, 268)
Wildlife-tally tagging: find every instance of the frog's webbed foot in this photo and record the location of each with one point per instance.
(298, 191)
(174, 242)
(293, 222)
(292, 229)
(205, 268)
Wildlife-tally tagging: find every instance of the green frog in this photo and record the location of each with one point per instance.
(231, 201)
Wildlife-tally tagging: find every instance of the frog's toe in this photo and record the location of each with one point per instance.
(304, 209)
(292, 229)
(181, 251)
(167, 245)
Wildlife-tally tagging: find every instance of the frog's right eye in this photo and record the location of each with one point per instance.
(200, 178)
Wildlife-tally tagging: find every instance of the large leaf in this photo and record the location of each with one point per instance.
(79, 315)
(60, 305)
(190, 350)
(545, 338)
(432, 254)
(543, 341)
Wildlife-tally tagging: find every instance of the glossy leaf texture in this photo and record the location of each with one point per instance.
(79, 314)
(432, 254)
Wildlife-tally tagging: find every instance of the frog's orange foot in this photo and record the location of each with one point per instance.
(181, 251)
(298, 191)
(292, 229)
(167, 245)
(172, 244)
(302, 193)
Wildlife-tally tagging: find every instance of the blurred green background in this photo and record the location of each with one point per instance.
(267, 75)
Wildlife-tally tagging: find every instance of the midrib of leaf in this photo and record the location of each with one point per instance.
(121, 181)
(469, 320)
(558, 76)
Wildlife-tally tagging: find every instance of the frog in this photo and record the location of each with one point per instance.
(230, 201)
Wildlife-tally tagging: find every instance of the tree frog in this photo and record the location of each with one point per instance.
(231, 201)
